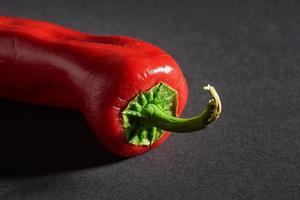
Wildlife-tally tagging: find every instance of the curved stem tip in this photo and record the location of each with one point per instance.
(153, 116)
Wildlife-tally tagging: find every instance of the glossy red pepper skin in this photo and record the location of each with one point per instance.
(47, 64)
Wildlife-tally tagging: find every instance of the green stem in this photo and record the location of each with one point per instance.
(152, 116)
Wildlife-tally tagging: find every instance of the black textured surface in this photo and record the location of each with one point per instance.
(249, 50)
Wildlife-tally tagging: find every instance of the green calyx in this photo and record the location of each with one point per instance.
(151, 113)
(161, 95)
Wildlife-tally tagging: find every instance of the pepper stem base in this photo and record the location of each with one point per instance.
(151, 113)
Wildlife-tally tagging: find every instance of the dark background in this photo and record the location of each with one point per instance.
(249, 50)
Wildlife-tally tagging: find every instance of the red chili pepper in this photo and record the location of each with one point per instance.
(129, 91)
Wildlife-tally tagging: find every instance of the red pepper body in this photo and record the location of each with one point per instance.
(46, 64)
